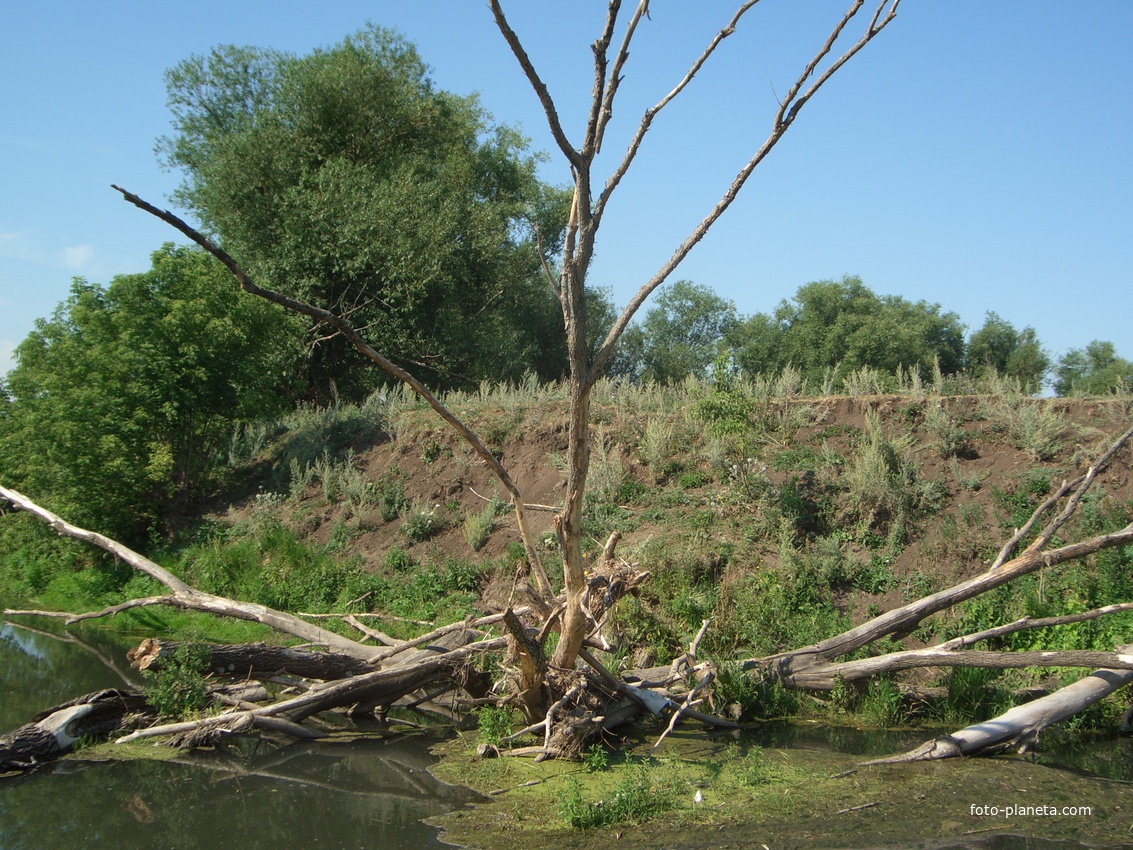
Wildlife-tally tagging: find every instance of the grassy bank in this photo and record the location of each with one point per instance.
(781, 516)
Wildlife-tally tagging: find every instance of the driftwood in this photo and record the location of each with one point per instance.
(255, 660)
(53, 732)
(1019, 727)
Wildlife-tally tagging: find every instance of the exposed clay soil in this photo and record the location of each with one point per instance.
(952, 543)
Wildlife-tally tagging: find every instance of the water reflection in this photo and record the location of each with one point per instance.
(39, 670)
(250, 794)
(369, 794)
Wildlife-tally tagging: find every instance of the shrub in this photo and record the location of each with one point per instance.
(477, 527)
(419, 523)
(178, 688)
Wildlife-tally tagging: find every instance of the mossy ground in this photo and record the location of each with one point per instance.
(797, 797)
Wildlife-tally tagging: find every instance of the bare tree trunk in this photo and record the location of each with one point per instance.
(255, 660)
(53, 732)
(1019, 727)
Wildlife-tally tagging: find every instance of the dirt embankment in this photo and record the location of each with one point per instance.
(963, 460)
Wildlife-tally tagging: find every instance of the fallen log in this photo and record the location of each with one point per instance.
(54, 732)
(254, 660)
(1020, 727)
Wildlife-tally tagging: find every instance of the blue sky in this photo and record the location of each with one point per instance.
(976, 155)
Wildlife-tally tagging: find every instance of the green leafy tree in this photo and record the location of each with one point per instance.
(681, 335)
(344, 178)
(122, 400)
(844, 325)
(1000, 347)
(1094, 370)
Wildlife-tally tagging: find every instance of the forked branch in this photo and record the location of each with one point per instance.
(350, 333)
(785, 116)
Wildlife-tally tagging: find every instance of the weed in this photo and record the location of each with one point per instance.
(882, 703)
(749, 696)
(971, 482)
(752, 769)
(495, 725)
(657, 446)
(972, 514)
(249, 439)
(596, 758)
(391, 494)
(178, 690)
(949, 439)
(433, 451)
(693, 480)
(399, 560)
(802, 458)
(477, 527)
(636, 798)
(884, 484)
(419, 523)
(1038, 430)
(606, 470)
(875, 576)
(865, 382)
(973, 694)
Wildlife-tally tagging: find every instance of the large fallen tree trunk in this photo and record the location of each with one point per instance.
(53, 732)
(1019, 727)
(254, 660)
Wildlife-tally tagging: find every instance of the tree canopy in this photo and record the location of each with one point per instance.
(121, 400)
(998, 346)
(681, 335)
(843, 326)
(346, 179)
(1093, 370)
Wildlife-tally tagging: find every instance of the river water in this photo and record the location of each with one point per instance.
(373, 793)
(250, 795)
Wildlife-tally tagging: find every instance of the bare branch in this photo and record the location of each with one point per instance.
(651, 113)
(66, 529)
(615, 77)
(1034, 623)
(1048, 533)
(572, 155)
(183, 595)
(590, 141)
(348, 331)
(1010, 546)
(825, 676)
(783, 120)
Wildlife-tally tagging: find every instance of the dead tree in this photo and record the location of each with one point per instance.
(351, 673)
(588, 207)
(556, 696)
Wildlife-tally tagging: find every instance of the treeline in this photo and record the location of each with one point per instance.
(831, 330)
(346, 179)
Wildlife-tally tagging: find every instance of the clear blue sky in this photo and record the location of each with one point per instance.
(977, 154)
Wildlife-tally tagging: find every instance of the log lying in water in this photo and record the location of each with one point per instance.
(255, 660)
(1019, 727)
(54, 732)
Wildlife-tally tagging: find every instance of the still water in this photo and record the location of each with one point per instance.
(251, 795)
(367, 794)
